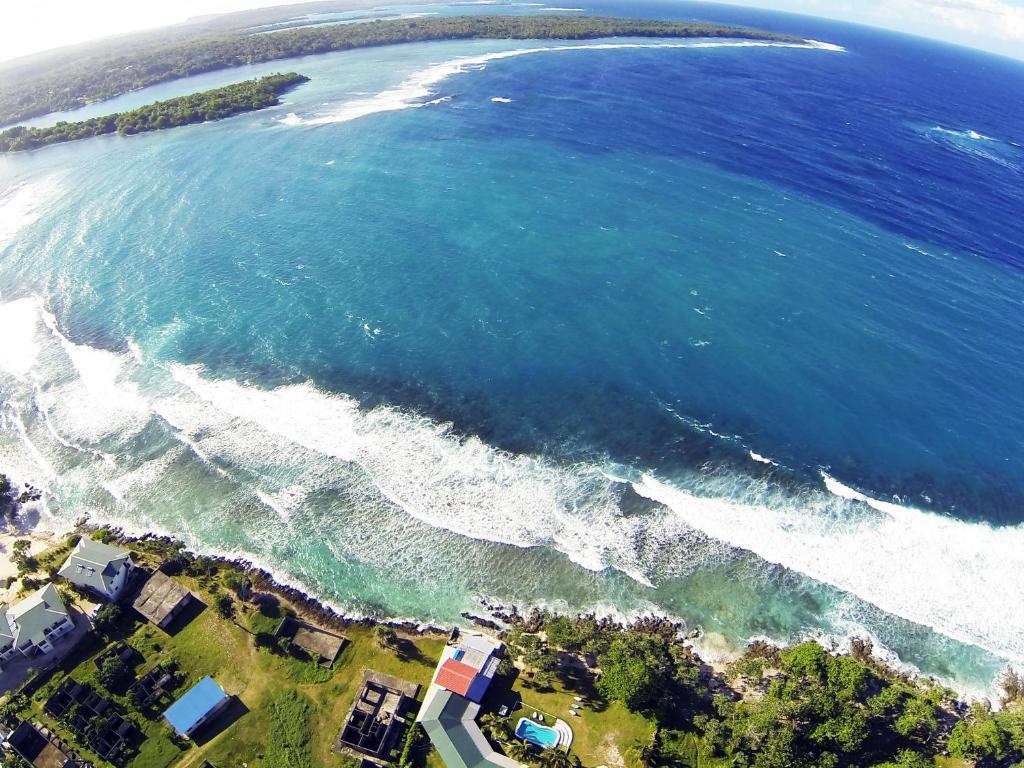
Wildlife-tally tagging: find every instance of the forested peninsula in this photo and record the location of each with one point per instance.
(102, 73)
(202, 107)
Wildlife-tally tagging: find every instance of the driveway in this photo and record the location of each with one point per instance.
(17, 669)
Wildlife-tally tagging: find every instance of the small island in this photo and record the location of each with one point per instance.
(96, 74)
(214, 104)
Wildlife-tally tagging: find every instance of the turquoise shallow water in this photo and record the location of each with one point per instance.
(624, 328)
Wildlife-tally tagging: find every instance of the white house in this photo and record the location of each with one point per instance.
(31, 627)
(98, 567)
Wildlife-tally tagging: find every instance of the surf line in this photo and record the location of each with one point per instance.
(417, 89)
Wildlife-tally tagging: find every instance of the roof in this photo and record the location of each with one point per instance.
(478, 642)
(31, 745)
(6, 633)
(188, 711)
(36, 613)
(456, 676)
(159, 596)
(450, 722)
(94, 564)
(467, 669)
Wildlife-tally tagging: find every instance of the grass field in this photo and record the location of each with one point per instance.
(288, 710)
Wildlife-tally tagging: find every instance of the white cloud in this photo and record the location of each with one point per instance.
(37, 26)
(987, 18)
(996, 25)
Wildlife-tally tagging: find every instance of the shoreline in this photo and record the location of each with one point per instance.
(714, 649)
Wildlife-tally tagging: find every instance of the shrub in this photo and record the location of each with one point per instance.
(225, 605)
(114, 674)
(106, 618)
(635, 671)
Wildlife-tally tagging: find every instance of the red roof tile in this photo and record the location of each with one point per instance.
(456, 676)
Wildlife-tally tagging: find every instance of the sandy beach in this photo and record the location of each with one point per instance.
(39, 540)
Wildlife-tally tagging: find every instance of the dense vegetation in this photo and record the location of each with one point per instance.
(101, 74)
(195, 108)
(799, 707)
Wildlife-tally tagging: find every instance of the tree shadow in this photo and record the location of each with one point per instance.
(407, 650)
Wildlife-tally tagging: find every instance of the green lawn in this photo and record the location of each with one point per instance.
(290, 710)
(601, 733)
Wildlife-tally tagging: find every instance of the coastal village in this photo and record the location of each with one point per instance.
(133, 652)
(143, 655)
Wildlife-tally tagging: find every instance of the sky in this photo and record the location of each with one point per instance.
(993, 25)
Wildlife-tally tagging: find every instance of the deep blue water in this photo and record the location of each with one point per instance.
(641, 335)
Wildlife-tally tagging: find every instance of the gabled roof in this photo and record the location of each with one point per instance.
(37, 612)
(450, 722)
(456, 676)
(6, 633)
(94, 564)
(187, 712)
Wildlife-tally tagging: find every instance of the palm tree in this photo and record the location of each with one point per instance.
(385, 636)
(494, 728)
(556, 758)
(517, 750)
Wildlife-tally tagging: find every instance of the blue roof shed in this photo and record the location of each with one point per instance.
(204, 700)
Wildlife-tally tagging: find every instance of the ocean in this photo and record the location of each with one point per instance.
(725, 331)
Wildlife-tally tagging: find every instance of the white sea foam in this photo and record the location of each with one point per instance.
(417, 90)
(458, 484)
(826, 46)
(762, 459)
(23, 204)
(279, 445)
(961, 579)
(20, 322)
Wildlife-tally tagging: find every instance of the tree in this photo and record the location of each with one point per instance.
(979, 737)
(238, 583)
(635, 671)
(518, 751)
(225, 605)
(10, 710)
(113, 674)
(1011, 683)
(646, 753)
(21, 557)
(106, 618)
(495, 728)
(908, 759)
(556, 758)
(385, 636)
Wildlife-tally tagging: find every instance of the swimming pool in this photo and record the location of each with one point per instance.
(537, 734)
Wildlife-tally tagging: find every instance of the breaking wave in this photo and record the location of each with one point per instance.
(955, 577)
(22, 204)
(417, 90)
(977, 145)
(74, 419)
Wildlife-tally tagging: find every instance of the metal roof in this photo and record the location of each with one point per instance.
(188, 711)
(450, 722)
(36, 613)
(94, 564)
